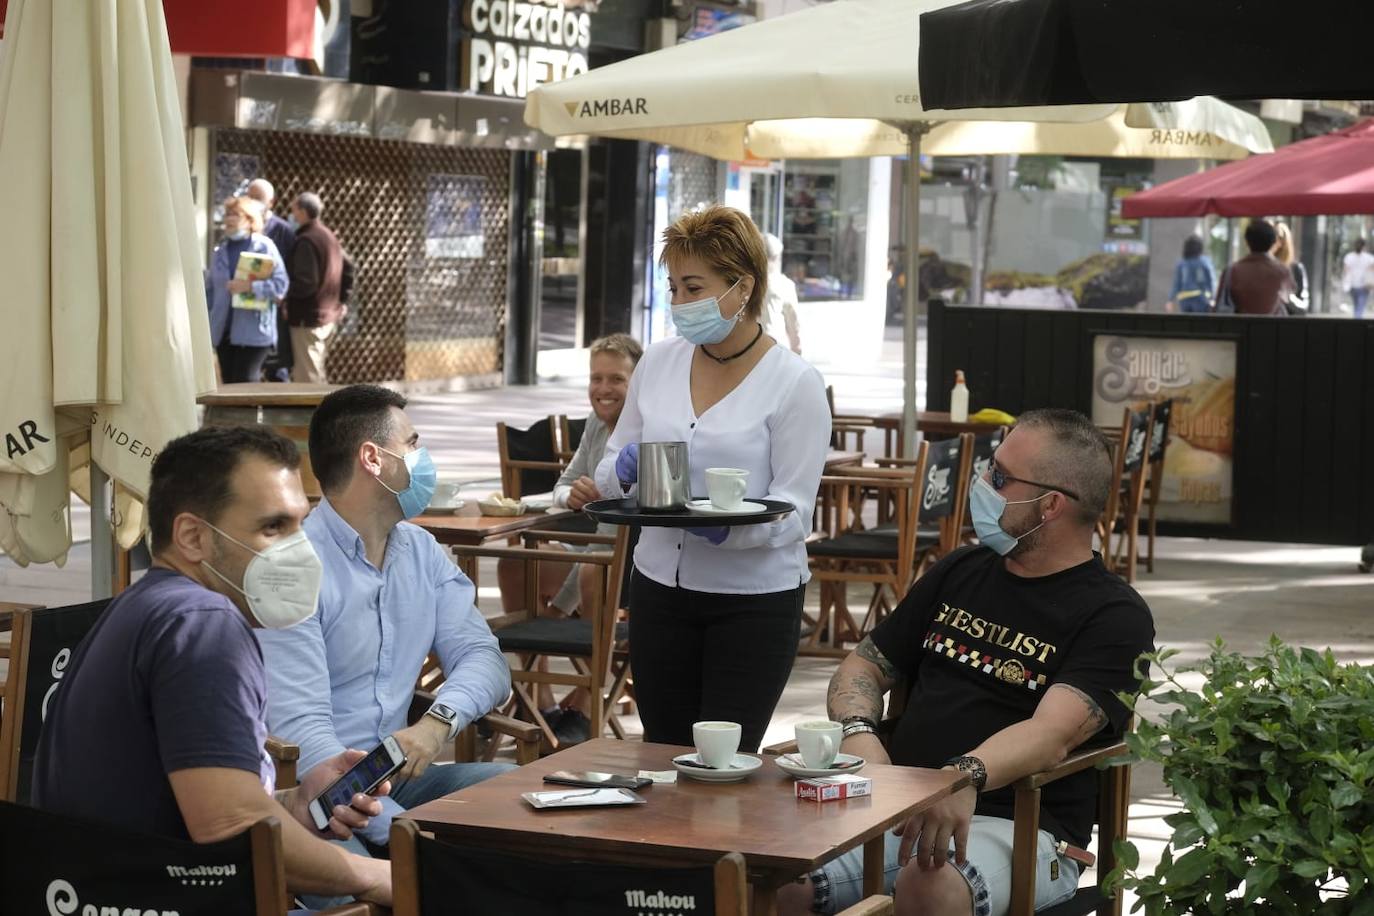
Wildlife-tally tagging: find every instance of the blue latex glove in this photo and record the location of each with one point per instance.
(716, 536)
(627, 464)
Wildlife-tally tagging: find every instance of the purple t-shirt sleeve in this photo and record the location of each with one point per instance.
(209, 694)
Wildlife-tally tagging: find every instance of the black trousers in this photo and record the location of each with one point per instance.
(241, 364)
(699, 656)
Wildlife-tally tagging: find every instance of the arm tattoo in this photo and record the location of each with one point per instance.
(854, 695)
(1093, 718)
(870, 653)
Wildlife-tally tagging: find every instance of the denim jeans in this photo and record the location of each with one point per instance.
(839, 883)
(438, 780)
(1359, 296)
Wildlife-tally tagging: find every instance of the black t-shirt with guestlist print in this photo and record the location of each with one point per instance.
(979, 646)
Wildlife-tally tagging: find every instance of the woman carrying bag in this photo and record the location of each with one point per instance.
(715, 612)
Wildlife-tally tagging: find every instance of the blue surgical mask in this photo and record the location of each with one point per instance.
(291, 221)
(415, 498)
(238, 235)
(986, 506)
(701, 321)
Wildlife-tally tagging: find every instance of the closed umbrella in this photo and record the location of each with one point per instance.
(1063, 52)
(107, 338)
(1327, 175)
(830, 81)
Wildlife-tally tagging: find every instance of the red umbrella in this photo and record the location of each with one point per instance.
(1327, 175)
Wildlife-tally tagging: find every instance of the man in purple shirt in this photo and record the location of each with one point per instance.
(158, 725)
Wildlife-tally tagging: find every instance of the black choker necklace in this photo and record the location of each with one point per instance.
(725, 359)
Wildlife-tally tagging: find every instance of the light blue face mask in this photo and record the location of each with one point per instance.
(986, 506)
(415, 498)
(238, 235)
(701, 321)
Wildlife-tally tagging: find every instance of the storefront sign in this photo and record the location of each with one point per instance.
(1199, 374)
(515, 45)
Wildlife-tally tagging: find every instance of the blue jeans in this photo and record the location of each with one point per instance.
(438, 780)
(1359, 296)
(839, 883)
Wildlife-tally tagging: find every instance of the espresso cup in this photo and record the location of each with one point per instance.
(726, 487)
(819, 742)
(716, 742)
(445, 494)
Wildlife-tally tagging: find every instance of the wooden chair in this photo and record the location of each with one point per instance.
(41, 644)
(530, 458)
(570, 431)
(843, 426)
(984, 447)
(1119, 527)
(851, 554)
(55, 863)
(587, 642)
(427, 875)
(944, 498)
(1113, 807)
(1159, 447)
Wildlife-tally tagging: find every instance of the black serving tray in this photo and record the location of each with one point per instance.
(627, 512)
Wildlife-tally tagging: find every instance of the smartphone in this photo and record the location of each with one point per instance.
(365, 776)
(597, 780)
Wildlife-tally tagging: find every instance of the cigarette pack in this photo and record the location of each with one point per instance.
(834, 788)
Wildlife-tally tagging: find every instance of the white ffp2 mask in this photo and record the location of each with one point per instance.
(281, 583)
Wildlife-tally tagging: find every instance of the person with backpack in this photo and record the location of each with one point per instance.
(1194, 279)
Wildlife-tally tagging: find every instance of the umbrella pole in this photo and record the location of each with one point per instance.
(914, 131)
(102, 536)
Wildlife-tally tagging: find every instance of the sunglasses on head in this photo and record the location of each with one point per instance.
(999, 479)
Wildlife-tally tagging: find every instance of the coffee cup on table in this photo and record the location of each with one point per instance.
(726, 487)
(716, 742)
(819, 742)
(446, 494)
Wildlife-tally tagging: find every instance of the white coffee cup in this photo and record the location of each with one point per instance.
(716, 742)
(446, 494)
(726, 487)
(819, 742)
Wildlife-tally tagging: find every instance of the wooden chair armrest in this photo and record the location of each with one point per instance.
(536, 535)
(529, 553)
(852, 420)
(282, 751)
(869, 906)
(369, 909)
(1072, 764)
(782, 747)
(897, 462)
(530, 464)
(514, 728)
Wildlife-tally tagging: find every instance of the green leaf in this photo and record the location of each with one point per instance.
(1346, 794)
(1259, 879)
(1189, 869)
(1126, 854)
(1311, 868)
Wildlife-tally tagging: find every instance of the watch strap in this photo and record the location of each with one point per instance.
(450, 720)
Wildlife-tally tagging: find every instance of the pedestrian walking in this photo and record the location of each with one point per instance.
(277, 368)
(1194, 279)
(781, 301)
(1355, 276)
(321, 285)
(242, 292)
(1285, 252)
(1257, 284)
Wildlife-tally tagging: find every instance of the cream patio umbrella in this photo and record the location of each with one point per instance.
(814, 83)
(107, 338)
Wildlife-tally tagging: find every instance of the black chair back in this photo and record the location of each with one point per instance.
(576, 427)
(533, 444)
(493, 882)
(51, 863)
(1160, 434)
(1135, 445)
(942, 480)
(983, 447)
(43, 643)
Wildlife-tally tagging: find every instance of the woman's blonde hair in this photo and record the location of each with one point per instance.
(728, 242)
(1283, 246)
(251, 210)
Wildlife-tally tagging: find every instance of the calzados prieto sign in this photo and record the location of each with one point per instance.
(515, 45)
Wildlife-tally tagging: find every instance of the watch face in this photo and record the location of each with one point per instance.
(442, 711)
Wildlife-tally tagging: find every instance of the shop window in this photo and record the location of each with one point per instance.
(824, 208)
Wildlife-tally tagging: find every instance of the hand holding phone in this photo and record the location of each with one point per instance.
(365, 776)
(592, 780)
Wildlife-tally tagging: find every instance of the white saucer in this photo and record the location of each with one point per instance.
(791, 764)
(740, 768)
(745, 508)
(445, 510)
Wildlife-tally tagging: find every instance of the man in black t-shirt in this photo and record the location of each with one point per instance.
(1013, 653)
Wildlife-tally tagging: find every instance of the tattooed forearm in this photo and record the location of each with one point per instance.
(1093, 716)
(870, 653)
(854, 694)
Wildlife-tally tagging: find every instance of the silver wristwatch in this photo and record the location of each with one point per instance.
(446, 715)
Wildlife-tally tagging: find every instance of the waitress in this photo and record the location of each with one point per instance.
(715, 612)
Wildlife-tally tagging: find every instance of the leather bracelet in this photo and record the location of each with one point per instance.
(977, 772)
(850, 720)
(857, 728)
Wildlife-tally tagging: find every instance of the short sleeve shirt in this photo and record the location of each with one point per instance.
(169, 679)
(979, 646)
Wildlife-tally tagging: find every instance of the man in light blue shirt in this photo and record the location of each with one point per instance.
(390, 597)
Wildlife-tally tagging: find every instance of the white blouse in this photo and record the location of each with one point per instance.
(774, 424)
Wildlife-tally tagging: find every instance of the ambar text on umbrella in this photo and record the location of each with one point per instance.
(28, 429)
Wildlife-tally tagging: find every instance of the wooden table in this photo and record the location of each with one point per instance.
(690, 823)
(285, 407)
(842, 459)
(936, 424)
(472, 530)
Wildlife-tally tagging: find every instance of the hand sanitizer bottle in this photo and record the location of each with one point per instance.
(958, 399)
